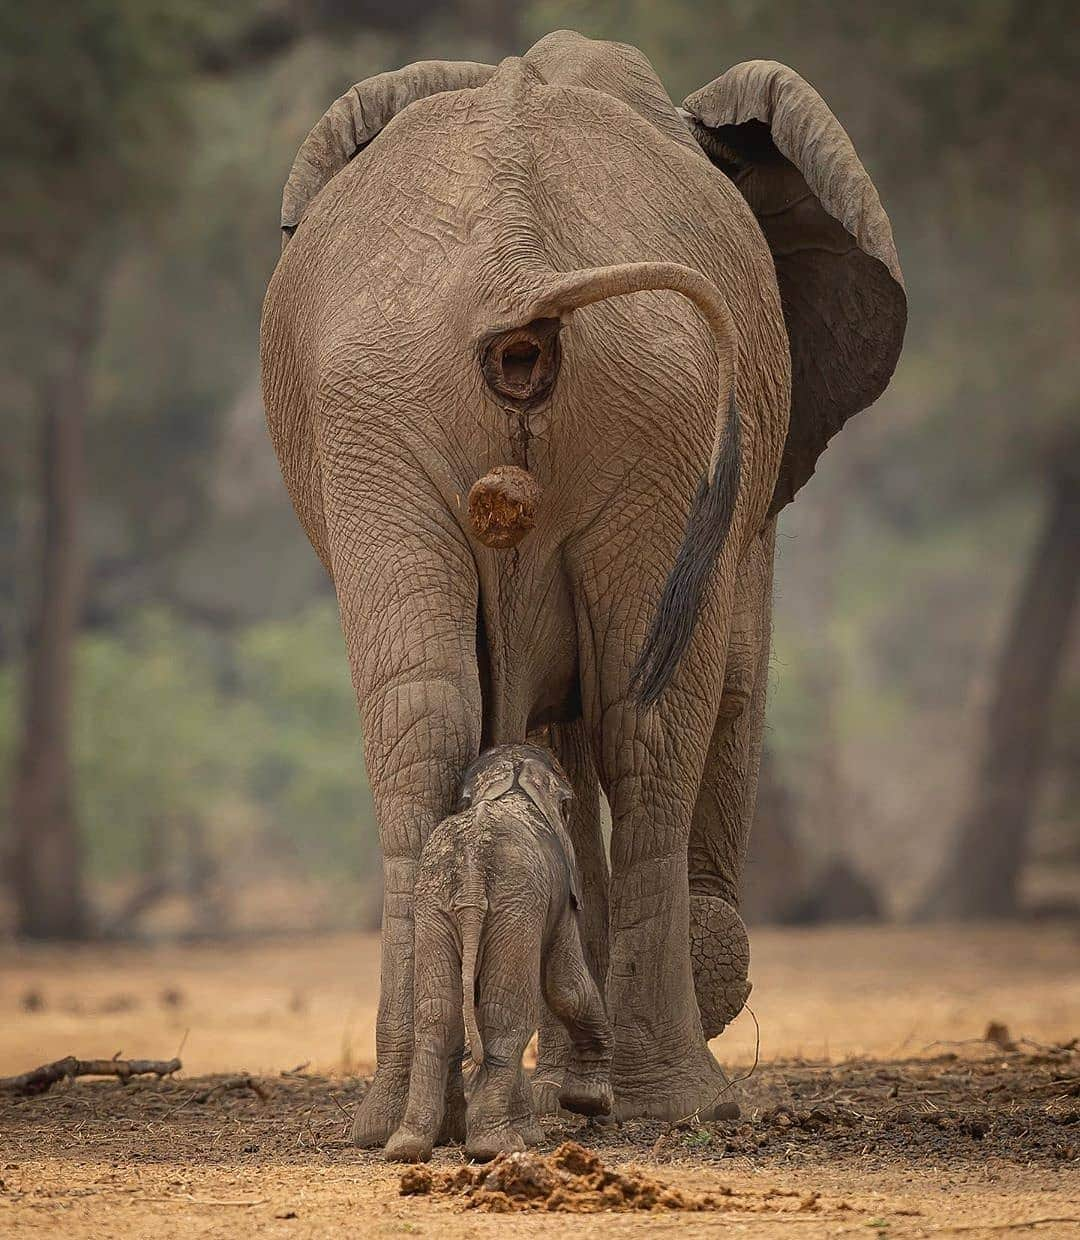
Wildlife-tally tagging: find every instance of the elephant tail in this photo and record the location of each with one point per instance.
(471, 909)
(713, 507)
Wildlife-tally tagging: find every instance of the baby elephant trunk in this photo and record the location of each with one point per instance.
(471, 924)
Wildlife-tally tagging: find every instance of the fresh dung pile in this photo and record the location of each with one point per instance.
(572, 1179)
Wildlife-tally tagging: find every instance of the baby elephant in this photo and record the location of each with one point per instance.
(496, 923)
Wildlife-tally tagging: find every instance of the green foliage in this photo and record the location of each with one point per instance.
(304, 768)
(152, 740)
(93, 102)
(257, 740)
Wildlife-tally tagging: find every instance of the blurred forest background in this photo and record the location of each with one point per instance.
(179, 751)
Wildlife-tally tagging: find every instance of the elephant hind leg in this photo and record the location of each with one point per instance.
(499, 1117)
(572, 994)
(719, 946)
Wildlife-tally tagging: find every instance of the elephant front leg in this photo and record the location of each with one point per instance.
(572, 994)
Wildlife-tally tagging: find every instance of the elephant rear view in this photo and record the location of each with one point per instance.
(497, 899)
(543, 357)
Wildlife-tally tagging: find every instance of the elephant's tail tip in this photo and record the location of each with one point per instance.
(473, 1039)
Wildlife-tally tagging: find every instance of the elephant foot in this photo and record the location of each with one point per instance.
(530, 1131)
(545, 1089)
(695, 1088)
(586, 1095)
(406, 1146)
(380, 1111)
(522, 1117)
(484, 1146)
(720, 955)
(552, 1059)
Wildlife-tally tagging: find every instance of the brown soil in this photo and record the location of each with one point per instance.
(901, 1139)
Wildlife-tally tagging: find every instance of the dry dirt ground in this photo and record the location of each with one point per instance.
(875, 1110)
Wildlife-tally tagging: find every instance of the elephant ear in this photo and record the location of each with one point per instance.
(549, 790)
(840, 281)
(352, 121)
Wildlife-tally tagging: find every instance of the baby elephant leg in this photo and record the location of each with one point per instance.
(572, 995)
(499, 1116)
(438, 1038)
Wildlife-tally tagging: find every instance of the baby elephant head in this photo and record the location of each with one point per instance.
(529, 769)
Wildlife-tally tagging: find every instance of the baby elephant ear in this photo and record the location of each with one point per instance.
(355, 119)
(549, 789)
(840, 281)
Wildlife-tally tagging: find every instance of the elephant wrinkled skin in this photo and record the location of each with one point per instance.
(662, 316)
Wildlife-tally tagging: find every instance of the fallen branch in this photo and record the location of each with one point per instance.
(45, 1077)
(234, 1082)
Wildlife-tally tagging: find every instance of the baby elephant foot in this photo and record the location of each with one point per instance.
(546, 1094)
(484, 1146)
(530, 1131)
(586, 1095)
(407, 1146)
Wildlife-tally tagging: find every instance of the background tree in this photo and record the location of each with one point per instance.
(90, 91)
(191, 674)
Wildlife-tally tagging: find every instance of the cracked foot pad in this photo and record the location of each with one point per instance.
(720, 955)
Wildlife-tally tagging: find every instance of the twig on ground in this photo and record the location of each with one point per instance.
(234, 1082)
(346, 1113)
(955, 1042)
(44, 1078)
(694, 1116)
(997, 1036)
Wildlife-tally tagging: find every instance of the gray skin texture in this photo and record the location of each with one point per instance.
(415, 236)
(496, 908)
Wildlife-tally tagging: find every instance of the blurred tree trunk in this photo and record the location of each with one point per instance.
(47, 863)
(981, 877)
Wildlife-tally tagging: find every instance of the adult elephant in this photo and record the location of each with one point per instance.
(478, 271)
